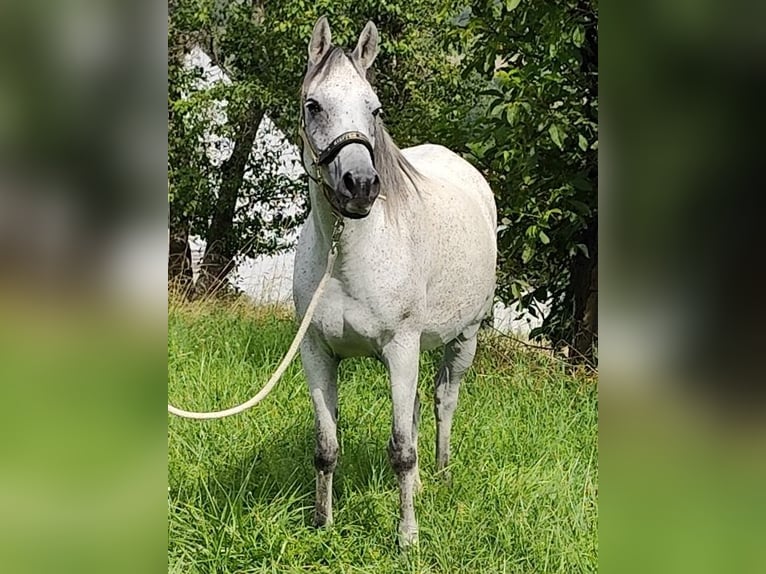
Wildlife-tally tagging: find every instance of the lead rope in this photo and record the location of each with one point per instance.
(290, 355)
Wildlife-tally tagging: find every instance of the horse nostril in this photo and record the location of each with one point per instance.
(375, 180)
(348, 181)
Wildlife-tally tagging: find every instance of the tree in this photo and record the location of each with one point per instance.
(230, 204)
(187, 163)
(532, 130)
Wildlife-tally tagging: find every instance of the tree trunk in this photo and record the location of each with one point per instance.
(584, 269)
(180, 277)
(584, 278)
(222, 245)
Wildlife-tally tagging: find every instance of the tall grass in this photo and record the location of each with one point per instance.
(240, 495)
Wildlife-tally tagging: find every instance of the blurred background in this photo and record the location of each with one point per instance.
(83, 212)
(681, 401)
(97, 215)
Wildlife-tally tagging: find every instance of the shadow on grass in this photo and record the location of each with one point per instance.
(280, 472)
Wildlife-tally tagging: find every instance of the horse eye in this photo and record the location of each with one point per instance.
(313, 107)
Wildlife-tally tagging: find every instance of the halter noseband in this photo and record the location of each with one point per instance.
(328, 154)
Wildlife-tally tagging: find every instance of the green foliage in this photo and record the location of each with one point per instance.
(200, 117)
(532, 130)
(411, 73)
(240, 490)
(189, 169)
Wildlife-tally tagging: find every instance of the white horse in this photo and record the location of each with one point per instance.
(414, 269)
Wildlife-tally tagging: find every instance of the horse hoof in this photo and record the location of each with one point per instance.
(322, 520)
(408, 537)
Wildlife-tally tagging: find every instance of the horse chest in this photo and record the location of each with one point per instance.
(354, 324)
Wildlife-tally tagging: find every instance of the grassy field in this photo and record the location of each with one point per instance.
(240, 490)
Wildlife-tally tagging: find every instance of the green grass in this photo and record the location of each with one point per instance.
(240, 494)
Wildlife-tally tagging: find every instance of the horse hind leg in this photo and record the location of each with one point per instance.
(458, 357)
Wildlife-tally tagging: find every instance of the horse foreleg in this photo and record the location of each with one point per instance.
(401, 358)
(321, 374)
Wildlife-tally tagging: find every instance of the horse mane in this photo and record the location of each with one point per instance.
(399, 179)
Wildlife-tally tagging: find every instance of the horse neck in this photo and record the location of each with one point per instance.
(321, 214)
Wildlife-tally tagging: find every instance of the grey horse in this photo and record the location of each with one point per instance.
(415, 265)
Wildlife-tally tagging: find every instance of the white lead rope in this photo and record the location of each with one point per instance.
(337, 229)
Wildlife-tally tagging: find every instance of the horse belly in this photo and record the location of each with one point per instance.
(460, 224)
(461, 285)
(455, 307)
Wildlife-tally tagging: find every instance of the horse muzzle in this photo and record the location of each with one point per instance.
(357, 192)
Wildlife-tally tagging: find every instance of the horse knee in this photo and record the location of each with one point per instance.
(402, 454)
(326, 455)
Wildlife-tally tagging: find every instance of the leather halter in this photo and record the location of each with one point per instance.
(326, 155)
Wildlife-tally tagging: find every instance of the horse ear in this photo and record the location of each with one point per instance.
(367, 48)
(321, 39)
